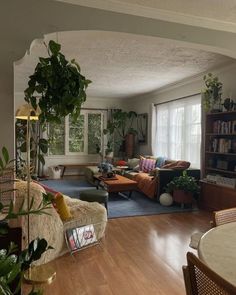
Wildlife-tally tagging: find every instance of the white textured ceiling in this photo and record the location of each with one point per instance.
(220, 14)
(122, 65)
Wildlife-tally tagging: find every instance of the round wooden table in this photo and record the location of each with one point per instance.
(217, 248)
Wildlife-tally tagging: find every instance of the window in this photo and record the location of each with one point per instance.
(81, 137)
(178, 130)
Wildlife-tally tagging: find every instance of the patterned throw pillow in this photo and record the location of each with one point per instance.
(146, 165)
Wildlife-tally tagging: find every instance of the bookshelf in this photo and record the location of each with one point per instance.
(219, 158)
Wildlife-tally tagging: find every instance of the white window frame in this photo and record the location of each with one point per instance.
(170, 106)
(84, 112)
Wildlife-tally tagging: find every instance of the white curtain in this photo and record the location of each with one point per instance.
(178, 130)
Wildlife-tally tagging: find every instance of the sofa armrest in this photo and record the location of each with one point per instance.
(166, 175)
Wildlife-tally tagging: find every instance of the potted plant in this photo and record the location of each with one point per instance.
(212, 93)
(184, 188)
(15, 261)
(121, 126)
(56, 86)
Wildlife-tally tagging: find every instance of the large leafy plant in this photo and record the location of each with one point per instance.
(118, 127)
(184, 182)
(12, 265)
(38, 148)
(213, 91)
(57, 86)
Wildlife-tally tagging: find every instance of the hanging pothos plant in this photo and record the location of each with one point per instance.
(57, 86)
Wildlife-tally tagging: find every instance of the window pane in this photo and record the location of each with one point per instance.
(94, 132)
(76, 135)
(56, 138)
(179, 130)
(76, 146)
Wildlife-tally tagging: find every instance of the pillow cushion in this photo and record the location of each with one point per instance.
(146, 165)
(132, 163)
(62, 208)
(160, 162)
(121, 163)
(47, 189)
(181, 165)
(136, 168)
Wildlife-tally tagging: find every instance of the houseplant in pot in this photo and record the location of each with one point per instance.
(121, 127)
(212, 93)
(184, 188)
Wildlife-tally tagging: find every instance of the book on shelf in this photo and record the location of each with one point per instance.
(224, 127)
(221, 145)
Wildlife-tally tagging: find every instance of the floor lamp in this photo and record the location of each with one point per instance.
(40, 274)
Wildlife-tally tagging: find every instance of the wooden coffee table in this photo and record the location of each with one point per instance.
(118, 185)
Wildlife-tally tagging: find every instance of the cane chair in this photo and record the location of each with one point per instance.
(224, 216)
(201, 280)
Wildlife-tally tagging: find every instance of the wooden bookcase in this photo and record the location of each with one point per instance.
(219, 157)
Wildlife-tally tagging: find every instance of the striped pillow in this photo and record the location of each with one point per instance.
(147, 165)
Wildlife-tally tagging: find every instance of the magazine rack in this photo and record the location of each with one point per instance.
(81, 237)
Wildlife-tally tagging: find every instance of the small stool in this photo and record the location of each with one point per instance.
(95, 195)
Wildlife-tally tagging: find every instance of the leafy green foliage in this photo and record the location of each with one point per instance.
(118, 127)
(183, 182)
(213, 91)
(38, 147)
(12, 266)
(59, 84)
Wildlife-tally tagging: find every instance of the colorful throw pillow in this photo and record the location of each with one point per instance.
(146, 165)
(160, 162)
(47, 189)
(62, 208)
(121, 163)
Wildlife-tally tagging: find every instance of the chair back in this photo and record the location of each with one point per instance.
(201, 280)
(224, 216)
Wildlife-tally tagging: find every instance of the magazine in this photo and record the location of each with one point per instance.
(81, 236)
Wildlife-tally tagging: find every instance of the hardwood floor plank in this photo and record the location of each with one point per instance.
(139, 255)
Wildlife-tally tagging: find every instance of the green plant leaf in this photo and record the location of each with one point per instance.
(1, 163)
(41, 159)
(5, 154)
(54, 47)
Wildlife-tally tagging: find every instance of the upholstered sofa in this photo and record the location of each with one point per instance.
(51, 227)
(151, 184)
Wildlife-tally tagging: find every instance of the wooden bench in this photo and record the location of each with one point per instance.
(81, 165)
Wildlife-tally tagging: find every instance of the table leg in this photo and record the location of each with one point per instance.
(63, 170)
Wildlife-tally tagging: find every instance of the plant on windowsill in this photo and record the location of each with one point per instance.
(212, 93)
(184, 188)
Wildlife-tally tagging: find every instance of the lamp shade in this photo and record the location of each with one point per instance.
(26, 111)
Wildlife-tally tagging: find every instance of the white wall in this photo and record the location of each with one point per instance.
(142, 104)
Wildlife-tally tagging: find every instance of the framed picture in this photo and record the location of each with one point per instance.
(142, 127)
(80, 237)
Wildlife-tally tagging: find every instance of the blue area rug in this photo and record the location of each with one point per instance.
(118, 205)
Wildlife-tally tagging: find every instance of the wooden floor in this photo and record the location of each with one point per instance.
(140, 255)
